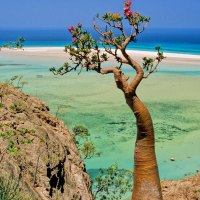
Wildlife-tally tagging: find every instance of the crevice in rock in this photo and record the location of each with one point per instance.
(56, 176)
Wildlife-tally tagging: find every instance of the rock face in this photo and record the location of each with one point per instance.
(186, 189)
(38, 149)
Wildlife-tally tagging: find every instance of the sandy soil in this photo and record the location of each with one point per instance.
(186, 189)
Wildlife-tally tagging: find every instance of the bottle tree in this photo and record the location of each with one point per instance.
(90, 54)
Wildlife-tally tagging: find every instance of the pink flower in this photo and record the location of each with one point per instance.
(128, 3)
(79, 24)
(128, 13)
(71, 28)
(126, 8)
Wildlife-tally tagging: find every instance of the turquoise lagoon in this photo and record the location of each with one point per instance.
(172, 96)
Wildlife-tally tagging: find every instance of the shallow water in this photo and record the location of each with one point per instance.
(172, 96)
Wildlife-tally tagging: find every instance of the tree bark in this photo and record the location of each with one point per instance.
(146, 176)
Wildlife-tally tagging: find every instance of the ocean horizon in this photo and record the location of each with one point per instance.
(184, 41)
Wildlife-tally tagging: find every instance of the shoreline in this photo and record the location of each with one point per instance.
(58, 52)
(136, 52)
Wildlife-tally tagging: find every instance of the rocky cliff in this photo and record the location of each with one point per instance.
(186, 189)
(37, 149)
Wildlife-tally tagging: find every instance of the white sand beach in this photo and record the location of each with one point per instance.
(59, 52)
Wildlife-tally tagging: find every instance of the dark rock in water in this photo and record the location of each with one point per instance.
(172, 159)
(39, 76)
(38, 147)
(116, 123)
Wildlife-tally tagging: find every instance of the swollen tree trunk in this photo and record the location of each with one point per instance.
(146, 176)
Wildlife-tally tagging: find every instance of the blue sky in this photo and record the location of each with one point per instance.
(62, 13)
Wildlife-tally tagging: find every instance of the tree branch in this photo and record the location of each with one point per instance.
(149, 65)
(107, 39)
(120, 78)
(152, 70)
(119, 26)
(116, 56)
(139, 76)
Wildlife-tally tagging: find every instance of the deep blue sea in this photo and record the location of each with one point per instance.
(171, 40)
